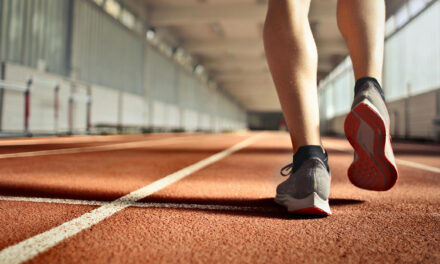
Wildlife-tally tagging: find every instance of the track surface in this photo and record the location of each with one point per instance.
(223, 212)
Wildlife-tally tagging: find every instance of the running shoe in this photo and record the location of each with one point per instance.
(307, 189)
(367, 128)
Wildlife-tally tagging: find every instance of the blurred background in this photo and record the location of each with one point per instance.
(130, 66)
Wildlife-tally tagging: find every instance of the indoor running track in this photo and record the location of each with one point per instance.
(204, 198)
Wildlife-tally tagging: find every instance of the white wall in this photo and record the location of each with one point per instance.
(130, 82)
(104, 52)
(412, 56)
(105, 105)
(411, 70)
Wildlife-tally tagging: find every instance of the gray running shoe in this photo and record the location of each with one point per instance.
(307, 189)
(367, 128)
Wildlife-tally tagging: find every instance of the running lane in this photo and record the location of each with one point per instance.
(51, 143)
(225, 213)
(104, 176)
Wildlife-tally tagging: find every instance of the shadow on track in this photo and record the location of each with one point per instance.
(265, 207)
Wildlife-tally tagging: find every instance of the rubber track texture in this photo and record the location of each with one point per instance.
(371, 171)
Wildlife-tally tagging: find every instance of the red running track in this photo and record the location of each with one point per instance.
(223, 212)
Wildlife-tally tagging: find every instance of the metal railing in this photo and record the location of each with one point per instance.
(26, 88)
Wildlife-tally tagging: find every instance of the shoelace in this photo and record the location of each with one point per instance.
(287, 170)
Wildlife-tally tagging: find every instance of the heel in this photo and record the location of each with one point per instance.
(310, 205)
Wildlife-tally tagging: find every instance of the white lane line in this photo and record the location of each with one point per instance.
(51, 200)
(69, 140)
(33, 246)
(214, 207)
(407, 163)
(79, 139)
(418, 165)
(109, 147)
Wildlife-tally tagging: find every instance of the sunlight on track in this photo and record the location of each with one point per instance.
(110, 147)
(77, 139)
(418, 165)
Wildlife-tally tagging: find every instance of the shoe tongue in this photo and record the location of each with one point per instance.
(305, 153)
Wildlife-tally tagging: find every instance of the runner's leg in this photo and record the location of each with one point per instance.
(362, 25)
(292, 58)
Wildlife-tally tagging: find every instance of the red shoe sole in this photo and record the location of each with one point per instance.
(310, 211)
(372, 170)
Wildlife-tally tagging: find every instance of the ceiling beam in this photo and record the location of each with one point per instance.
(225, 68)
(206, 13)
(242, 61)
(254, 76)
(232, 67)
(230, 53)
(248, 89)
(334, 46)
(223, 45)
(263, 81)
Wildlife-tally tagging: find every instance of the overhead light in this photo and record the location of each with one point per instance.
(165, 48)
(199, 69)
(178, 52)
(151, 33)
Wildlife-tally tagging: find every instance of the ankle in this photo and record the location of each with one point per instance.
(307, 152)
(361, 81)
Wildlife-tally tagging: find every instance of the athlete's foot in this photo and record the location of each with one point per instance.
(367, 128)
(307, 189)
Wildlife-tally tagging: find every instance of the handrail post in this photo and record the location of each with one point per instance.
(70, 110)
(27, 102)
(56, 106)
(70, 115)
(2, 91)
(89, 110)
